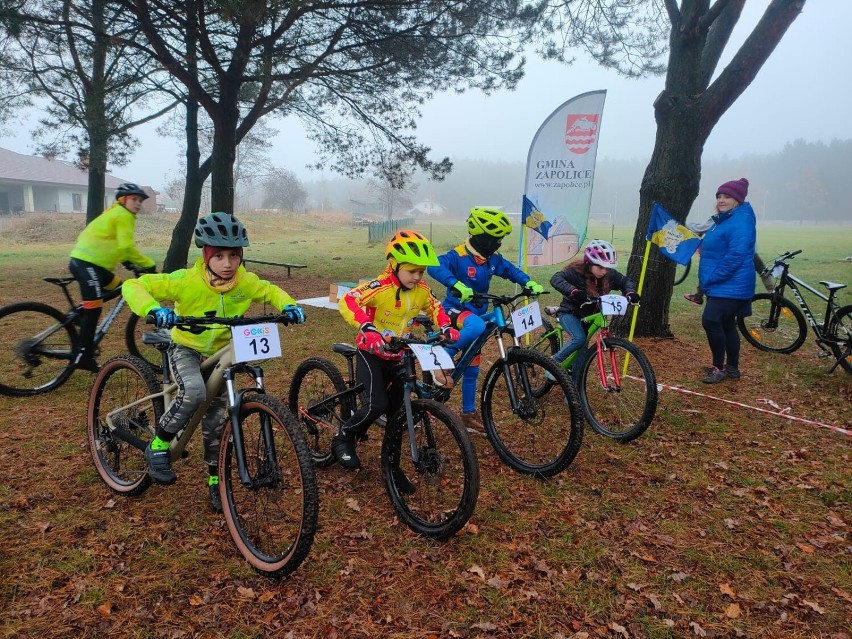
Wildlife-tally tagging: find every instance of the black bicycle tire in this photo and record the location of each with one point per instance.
(561, 459)
(761, 313)
(582, 370)
(291, 558)
(680, 276)
(390, 457)
(73, 339)
(548, 344)
(842, 318)
(322, 456)
(94, 431)
(137, 350)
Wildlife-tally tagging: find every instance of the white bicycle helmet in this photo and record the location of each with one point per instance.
(601, 253)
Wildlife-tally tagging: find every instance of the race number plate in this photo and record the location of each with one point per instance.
(526, 318)
(432, 357)
(613, 304)
(255, 341)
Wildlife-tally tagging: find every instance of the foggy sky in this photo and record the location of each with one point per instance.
(803, 91)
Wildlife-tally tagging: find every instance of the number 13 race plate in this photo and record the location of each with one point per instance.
(255, 341)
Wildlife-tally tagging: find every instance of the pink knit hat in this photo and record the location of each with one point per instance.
(737, 189)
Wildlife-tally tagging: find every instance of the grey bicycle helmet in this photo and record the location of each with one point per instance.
(129, 188)
(220, 229)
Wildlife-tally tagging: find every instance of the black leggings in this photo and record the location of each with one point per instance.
(382, 391)
(720, 323)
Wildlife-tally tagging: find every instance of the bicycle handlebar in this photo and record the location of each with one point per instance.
(395, 344)
(781, 259)
(189, 323)
(499, 300)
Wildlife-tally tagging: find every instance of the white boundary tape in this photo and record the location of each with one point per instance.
(779, 413)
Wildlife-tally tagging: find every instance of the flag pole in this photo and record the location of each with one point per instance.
(636, 310)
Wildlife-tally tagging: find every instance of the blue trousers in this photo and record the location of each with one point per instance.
(472, 327)
(574, 338)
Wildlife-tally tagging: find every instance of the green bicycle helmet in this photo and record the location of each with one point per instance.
(222, 230)
(411, 248)
(489, 221)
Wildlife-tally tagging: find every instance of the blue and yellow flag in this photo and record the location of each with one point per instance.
(676, 242)
(534, 219)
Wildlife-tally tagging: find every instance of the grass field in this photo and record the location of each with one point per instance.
(721, 521)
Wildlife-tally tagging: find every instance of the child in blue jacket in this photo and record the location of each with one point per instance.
(468, 269)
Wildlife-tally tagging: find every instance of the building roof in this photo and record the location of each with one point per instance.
(30, 168)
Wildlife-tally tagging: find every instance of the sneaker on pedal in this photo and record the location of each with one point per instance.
(215, 499)
(343, 447)
(442, 378)
(473, 421)
(403, 485)
(160, 466)
(549, 377)
(86, 362)
(698, 300)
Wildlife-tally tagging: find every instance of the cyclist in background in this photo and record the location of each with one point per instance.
(592, 276)
(103, 244)
(387, 306)
(218, 283)
(465, 270)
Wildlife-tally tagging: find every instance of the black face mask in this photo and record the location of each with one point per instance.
(484, 244)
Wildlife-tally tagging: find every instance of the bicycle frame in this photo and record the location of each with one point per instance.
(794, 283)
(598, 329)
(72, 315)
(219, 369)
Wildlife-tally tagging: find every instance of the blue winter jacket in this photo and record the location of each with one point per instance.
(458, 265)
(726, 268)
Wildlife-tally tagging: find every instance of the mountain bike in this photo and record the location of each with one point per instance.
(532, 434)
(267, 483)
(424, 439)
(40, 342)
(778, 326)
(615, 381)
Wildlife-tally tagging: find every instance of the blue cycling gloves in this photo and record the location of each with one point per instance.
(294, 314)
(164, 317)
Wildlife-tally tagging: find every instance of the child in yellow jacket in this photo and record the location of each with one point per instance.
(217, 282)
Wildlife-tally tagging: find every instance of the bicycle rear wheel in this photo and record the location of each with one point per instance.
(623, 410)
(445, 479)
(776, 325)
(273, 520)
(36, 350)
(538, 436)
(839, 337)
(133, 332)
(118, 452)
(316, 379)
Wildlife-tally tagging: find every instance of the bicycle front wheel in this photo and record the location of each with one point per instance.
(273, 519)
(117, 450)
(316, 379)
(618, 402)
(133, 332)
(37, 348)
(436, 495)
(776, 325)
(839, 337)
(533, 435)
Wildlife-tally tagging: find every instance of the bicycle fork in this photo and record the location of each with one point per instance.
(602, 370)
(235, 404)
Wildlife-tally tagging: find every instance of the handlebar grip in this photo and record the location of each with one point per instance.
(150, 319)
(795, 253)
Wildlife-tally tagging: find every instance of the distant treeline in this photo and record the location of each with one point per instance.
(806, 181)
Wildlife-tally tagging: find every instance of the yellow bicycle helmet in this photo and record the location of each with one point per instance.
(410, 247)
(489, 221)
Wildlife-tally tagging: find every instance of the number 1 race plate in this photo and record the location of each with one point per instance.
(432, 357)
(526, 318)
(255, 341)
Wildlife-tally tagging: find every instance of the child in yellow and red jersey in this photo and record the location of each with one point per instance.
(387, 306)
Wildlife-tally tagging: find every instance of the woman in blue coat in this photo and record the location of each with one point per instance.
(726, 273)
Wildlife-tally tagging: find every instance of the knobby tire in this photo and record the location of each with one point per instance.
(776, 325)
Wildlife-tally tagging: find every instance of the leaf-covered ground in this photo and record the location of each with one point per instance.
(721, 521)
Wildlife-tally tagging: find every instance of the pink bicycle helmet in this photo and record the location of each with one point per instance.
(601, 253)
